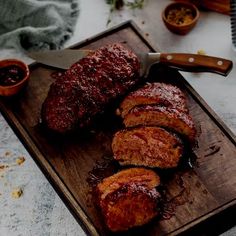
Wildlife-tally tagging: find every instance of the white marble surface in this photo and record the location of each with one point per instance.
(39, 211)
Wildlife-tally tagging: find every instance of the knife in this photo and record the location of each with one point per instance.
(63, 59)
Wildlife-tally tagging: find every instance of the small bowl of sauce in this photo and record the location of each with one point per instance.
(14, 74)
(180, 17)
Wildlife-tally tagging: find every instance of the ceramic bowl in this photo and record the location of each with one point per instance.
(11, 85)
(180, 17)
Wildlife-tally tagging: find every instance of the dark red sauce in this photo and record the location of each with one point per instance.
(10, 75)
(101, 170)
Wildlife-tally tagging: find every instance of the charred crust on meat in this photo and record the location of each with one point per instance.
(88, 86)
(154, 93)
(129, 198)
(167, 117)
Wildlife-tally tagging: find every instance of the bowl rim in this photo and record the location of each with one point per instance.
(21, 64)
(181, 3)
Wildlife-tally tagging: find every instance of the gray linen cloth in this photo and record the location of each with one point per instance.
(29, 25)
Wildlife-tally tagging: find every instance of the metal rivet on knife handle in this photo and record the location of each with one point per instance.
(191, 59)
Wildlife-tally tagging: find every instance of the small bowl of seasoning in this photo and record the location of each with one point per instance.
(14, 74)
(180, 17)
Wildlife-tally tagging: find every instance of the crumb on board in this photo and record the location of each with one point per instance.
(20, 160)
(3, 167)
(201, 52)
(118, 112)
(7, 153)
(16, 193)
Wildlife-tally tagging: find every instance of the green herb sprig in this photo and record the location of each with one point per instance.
(118, 4)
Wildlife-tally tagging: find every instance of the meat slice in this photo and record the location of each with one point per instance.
(171, 118)
(147, 146)
(154, 93)
(129, 198)
(88, 86)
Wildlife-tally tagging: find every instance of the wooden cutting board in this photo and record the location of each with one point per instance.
(200, 199)
(221, 6)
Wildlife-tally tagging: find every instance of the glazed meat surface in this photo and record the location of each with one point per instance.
(88, 86)
(154, 93)
(147, 146)
(171, 118)
(129, 198)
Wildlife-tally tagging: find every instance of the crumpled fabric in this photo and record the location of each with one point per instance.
(33, 25)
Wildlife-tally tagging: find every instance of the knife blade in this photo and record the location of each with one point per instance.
(63, 59)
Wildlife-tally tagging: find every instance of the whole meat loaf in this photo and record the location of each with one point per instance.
(129, 198)
(88, 86)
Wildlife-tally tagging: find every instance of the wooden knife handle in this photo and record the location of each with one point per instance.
(197, 63)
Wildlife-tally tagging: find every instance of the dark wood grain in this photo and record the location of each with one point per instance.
(199, 194)
(221, 6)
(197, 63)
